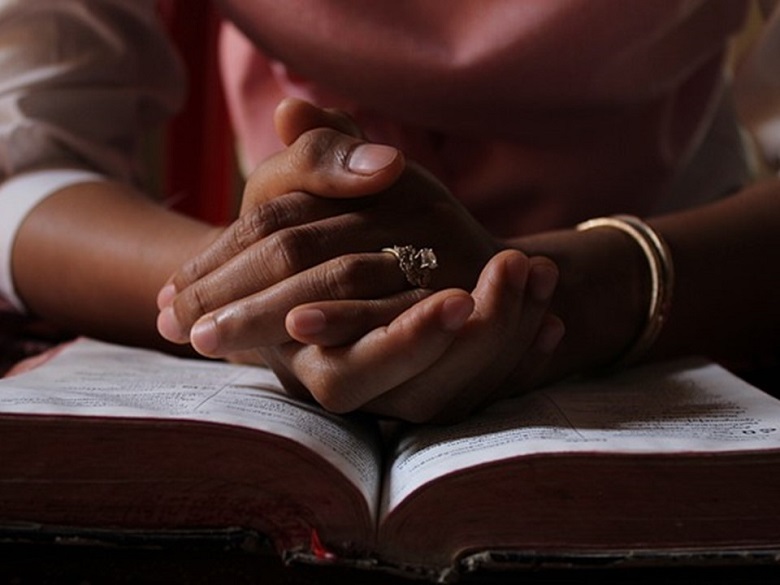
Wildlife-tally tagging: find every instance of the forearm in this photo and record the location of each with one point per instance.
(92, 257)
(602, 294)
(725, 302)
(727, 258)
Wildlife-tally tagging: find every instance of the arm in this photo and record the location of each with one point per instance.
(725, 307)
(602, 298)
(294, 249)
(92, 257)
(80, 83)
(725, 255)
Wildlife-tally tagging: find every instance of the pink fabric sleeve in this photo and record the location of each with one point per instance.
(486, 67)
(535, 113)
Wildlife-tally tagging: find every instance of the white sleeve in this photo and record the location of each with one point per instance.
(81, 83)
(18, 196)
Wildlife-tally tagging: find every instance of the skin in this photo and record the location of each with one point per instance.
(91, 258)
(286, 252)
(56, 243)
(370, 343)
(297, 281)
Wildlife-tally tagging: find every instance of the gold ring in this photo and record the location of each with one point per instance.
(415, 264)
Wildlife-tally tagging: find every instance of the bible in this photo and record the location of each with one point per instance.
(672, 460)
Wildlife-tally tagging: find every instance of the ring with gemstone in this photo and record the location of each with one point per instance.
(415, 264)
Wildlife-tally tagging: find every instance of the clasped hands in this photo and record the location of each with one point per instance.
(299, 282)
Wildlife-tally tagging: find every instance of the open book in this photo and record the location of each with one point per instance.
(676, 459)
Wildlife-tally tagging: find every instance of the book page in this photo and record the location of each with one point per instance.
(671, 408)
(91, 378)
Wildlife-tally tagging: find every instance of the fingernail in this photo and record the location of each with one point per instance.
(455, 311)
(308, 321)
(169, 327)
(367, 159)
(542, 282)
(165, 296)
(550, 336)
(203, 336)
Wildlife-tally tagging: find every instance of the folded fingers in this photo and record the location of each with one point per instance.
(334, 323)
(437, 361)
(259, 319)
(345, 378)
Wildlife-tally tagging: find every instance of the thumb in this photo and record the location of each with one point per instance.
(294, 116)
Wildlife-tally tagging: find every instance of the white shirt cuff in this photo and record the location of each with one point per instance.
(18, 196)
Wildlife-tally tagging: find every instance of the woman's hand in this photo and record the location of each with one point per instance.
(300, 279)
(442, 358)
(311, 222)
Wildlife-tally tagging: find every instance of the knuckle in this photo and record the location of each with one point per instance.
(316, 148)
(353, 267)
(256, 274)
(287, 250)
(257, 222)
(189, 272)
(252, 226)
(191, 304)
(341, 276)
(293, 248)
(352, 276)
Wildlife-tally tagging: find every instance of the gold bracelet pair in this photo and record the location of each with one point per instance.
(659, 260)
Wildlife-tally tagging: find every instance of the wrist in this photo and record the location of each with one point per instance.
(660, 267)
(602, 296)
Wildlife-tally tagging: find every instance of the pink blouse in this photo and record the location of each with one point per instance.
(536, 113)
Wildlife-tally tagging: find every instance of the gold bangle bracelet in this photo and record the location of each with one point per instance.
(659, 260)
